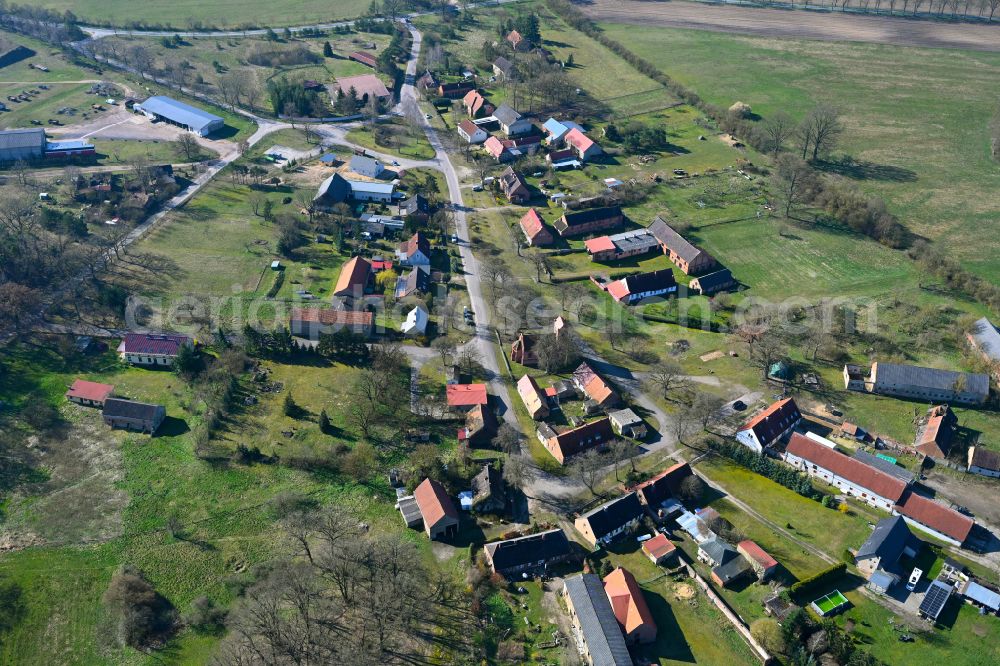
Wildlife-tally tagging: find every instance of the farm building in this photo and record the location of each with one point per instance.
(480, 427)
(588, 221)
(592, 435)
(660, 550)
(631, 611)
(655, 491)
(934, 437)
(627, 423)
(463, 397)
(714, 282)
(365, 85)
(309, 323)
(366, 166)
(532, 397)
(511, 122)
(489, 493)
(985, 338)
(595, 627)
(22, 144)
(983, 461)
(934, 518)
(582, 145)
(632, 289)
(178, 113)
(532, 553)
(471, 132)
(763, 564)
(354, 278)
(919, 383)
(536, 232)
(621, 246)
(437, 511)
(687, 257)
(364, 58)
(89, 394)
(131, 415)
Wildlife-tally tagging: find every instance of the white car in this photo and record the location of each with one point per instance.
(914, 579)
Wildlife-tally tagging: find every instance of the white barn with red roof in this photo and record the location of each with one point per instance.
(89, 394)
(763, 430)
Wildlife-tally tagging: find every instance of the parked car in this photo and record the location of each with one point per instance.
(914, 579)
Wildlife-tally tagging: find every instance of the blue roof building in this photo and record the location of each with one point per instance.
(178, 113)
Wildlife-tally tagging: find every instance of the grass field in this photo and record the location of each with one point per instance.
(927, 154)
(223, 13)
(45, 105)
(401, 140)
(120, 151)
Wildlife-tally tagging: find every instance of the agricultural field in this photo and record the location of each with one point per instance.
(925, 154)
(185, 14)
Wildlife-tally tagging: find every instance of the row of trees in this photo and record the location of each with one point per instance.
(980, 9)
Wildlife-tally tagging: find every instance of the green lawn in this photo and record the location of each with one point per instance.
(928, 154)
(401, 140)
(46, 55)
(122, 151)
(223, 13)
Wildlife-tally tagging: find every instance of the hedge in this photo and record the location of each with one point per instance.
(812, 582)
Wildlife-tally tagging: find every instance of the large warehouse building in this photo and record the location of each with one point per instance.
(31, 144)
(183, 115)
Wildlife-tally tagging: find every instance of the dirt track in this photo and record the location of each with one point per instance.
(797, 24)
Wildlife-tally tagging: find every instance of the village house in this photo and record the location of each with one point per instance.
(153, 349)
(629, 605)
(889, 541)
(610, 520)
(338, 190)
(500, 150)
(592, 435)
(471, 132)
(556, 130)
(984, 462)
(727, 564)
(533, 398)
(883, 465)
(591, 220)
(655, 491)
(592, 385)
(503, 69)
(985, 338)
(627, 423)
(415, 251)
(463, 397)
(365, 85)
(134, 416)
(660, 550)
(417, 281)
(416, 208)
(427, 81)
(686, 256)
(919, 383)
(480, 427)
(935, 435)
(511, 122)
(770, 426)
(632, 289)
(533, 553)
(514, 187)
(582, 145)
(763, 564)
(476, 105)
(488, 492)
(366, 166)
(437, 512)
(310, 323)
(595, 626)
(849, 475)
(354, 279)
(713, 282)
(416, 321)
(363, 190)
(621, 246)
(89, 394)
(455, 90)
(562, 159)
(536, 232)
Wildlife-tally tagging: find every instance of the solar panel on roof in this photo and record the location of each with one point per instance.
(935, 599)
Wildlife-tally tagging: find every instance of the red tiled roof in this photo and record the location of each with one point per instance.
(469, 127)
(756, 553)
(627, 601)
(463, 395)
(433, 502)
(84, 390)
(618, 290)
(578, 140)
(494, 146)
(659, 546)
(599, 244)
(853, 470)
(766, 425)
(936, 516)
(935, 437)
(416, 242)
(531, 395)
(152, 343)
(531, 223)
(353, 277)
(364, 58)
(381, 265)
(594, 385)
(589, 434)
(473, 101)
(333, 316)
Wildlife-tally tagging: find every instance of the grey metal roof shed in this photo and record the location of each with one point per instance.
(179, 113)
(597, 621)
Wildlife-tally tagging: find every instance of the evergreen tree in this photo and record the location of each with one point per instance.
(289, 406)
(324, 422)
(327, 50)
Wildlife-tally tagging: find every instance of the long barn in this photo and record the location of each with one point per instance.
(183, 115)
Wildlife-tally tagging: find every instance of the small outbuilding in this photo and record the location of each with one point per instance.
(131, 415)
(89, 394)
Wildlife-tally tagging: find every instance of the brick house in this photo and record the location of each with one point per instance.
(686, 256)
(591, 220)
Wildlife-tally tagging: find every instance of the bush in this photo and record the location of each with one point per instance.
(767, 632)
(807, 585)
(777, 472)
(142, 617)
(206, 617)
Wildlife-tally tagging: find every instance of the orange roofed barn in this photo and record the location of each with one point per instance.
(353, 279)
(591, 384)
(630, 607)
(437, 510)
(466, 396)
